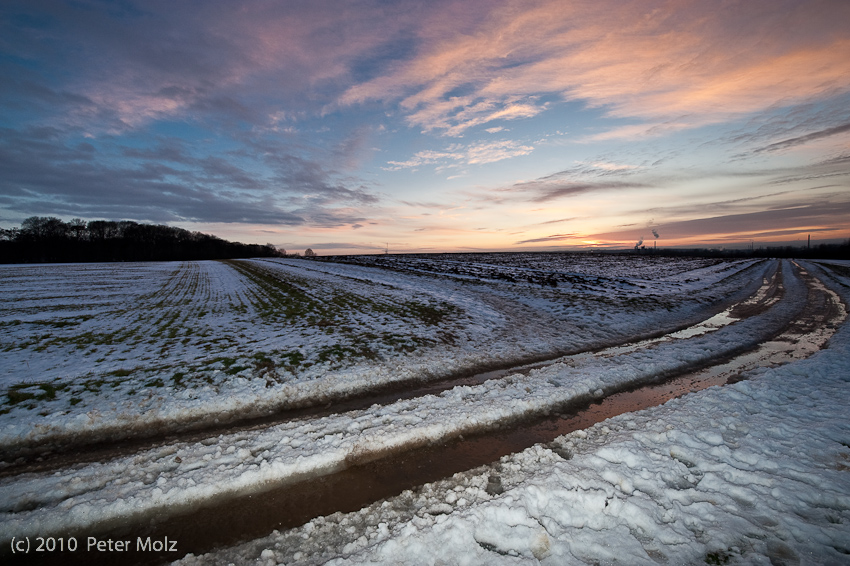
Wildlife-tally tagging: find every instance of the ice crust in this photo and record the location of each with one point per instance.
(750, 473)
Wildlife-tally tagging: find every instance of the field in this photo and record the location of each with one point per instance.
(171, 343)
(136, 394)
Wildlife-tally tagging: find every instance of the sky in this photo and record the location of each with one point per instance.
(441, 126)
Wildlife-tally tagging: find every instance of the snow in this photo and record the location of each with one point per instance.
(750, 473)
(754, 472)
(291, 451)
(105, 350)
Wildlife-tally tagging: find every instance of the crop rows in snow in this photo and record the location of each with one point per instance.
(89, 325)
(118, 346)
(626, 271)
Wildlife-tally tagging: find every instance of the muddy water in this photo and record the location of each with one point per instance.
(226, 522)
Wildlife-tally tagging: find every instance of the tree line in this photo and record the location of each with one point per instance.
(818, 251)
(49, 239)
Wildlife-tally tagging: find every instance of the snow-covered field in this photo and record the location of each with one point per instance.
(749, 473)
(109, 350)
(752, 473)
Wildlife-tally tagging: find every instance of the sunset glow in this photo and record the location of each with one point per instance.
(355, 127)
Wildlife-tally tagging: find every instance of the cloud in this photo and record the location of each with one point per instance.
(457, 155)
(426, 204)
(552, 238)
(147, 61)
(557, 221)
(448, 66)
(792, 218)
(749, 203)
(800, 140)
(670, 66)
(42, 174)
(344, 245)
(553, 187)
(607, 166)
(269, 111)
(557, 190)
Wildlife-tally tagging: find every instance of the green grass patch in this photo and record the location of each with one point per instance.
(93, 385)
(177, 378)
(263, 363)
(121, 372)
(229, 364)
(717, 558)
(57, 323)
(293, 360)
(23, 392)
(15, 396)
(430, 314)
(49, 391)
(337, 353)
(275, 298)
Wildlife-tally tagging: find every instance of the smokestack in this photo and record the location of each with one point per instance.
(810, 242)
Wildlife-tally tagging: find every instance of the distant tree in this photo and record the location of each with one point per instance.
(103, 229)
(43, 227)
(77, 229)
(309, 253)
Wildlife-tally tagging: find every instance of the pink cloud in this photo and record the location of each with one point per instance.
(674, 65)
(263, 59)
